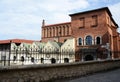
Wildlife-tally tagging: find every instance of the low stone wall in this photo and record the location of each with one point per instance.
(38, 73)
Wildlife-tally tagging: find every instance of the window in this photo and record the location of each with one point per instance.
(53, 31)
(44, 32)
(67, 29)
(47, 32)
(98, 40)
(80, 41)
(22, 58)
(66, 60)
(82, 22)
(88, 40)
(14, 58)
(32, 59)
(60, 31)
(63, 30)
(94, 20)
(56, 31)
(42, 60)
(50, 32)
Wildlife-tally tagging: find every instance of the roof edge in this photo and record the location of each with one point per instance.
(58, 24)
(103, 8)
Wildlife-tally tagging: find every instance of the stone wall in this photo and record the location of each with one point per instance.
(38, 73)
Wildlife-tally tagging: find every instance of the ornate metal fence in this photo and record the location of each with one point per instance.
(35, 56)
(49, 56)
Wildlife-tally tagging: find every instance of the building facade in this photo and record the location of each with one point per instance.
(25, 52)
(94, 31)
(57, 32)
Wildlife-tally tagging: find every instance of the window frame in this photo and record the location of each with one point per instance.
(96, 40)
(79, 41)
(94, 21)
(87, 41)
(82, 21)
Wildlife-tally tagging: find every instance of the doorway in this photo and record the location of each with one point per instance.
(88, 58)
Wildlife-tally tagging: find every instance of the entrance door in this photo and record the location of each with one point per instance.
(89, 57)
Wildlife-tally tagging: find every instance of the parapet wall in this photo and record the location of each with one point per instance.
(38, 73)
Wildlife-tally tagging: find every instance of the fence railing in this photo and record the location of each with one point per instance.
(50, 56)
(35, 56)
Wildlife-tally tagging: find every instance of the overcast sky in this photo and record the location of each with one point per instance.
(22, 18)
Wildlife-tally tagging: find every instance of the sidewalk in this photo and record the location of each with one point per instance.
(110, 76)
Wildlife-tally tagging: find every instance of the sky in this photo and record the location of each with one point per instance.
(22, 19)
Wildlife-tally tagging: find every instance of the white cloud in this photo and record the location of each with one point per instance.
(63, 5)
(23, 18)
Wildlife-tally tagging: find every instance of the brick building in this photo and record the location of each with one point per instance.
(94, 31)
(56, 32)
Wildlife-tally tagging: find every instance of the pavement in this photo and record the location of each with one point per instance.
(109, 76)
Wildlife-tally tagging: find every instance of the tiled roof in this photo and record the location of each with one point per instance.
(58, 24)
(16, 41)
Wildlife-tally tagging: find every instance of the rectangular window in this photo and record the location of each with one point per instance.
(94, 21)
(82, 22)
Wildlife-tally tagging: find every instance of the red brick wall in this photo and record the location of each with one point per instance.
(99, 30)
(104, 28)
(57, 39)
(58, 32)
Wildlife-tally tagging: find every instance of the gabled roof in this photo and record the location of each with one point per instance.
(16, 41)
(55, 44)
(40, 44)
(68, 42)
(26, 45)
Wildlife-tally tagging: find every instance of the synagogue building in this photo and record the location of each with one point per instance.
(93, 30)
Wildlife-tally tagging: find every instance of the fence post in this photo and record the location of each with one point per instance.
(9, 53)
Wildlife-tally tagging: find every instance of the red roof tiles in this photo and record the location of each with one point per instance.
(16, 41)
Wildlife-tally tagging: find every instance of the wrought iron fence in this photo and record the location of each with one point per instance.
(49, 56)
(35, 56)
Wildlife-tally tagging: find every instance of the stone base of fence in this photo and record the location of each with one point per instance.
(38, 73)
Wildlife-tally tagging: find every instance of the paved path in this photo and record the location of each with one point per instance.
(110, 76)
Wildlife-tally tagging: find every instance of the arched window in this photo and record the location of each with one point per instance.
(44, 33)
(98, 40)
(53, 60)
(66, 60)
(42, 60)
(80, 41)
(63, 30)
(56, 31)
(88, 40)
